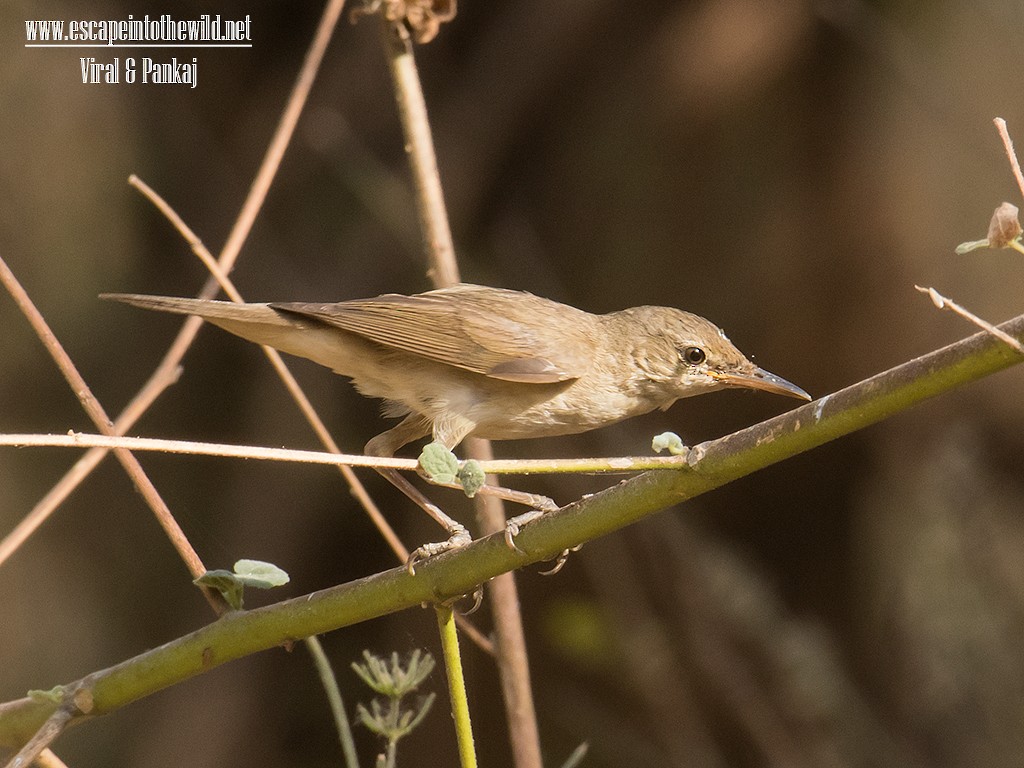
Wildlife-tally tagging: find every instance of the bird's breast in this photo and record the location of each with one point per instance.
(579, 407)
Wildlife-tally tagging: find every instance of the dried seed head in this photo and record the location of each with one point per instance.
(424, 17)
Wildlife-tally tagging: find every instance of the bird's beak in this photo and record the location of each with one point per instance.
(758, 378)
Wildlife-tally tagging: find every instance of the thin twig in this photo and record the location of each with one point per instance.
(1004, 134)
(942, 302)
(229, 254)
(99, 417)
(86, 440)
(43, 738)
(329, 681)
(611, 465)
(194, 241)
(510, 639)
(163, 377)
(282, 134)
(419, 145)
(277, 362)
(47, 759)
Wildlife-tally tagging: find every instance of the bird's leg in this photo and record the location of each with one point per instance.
(414, 427)
(443, 474)
(385, 445)
(541, 505)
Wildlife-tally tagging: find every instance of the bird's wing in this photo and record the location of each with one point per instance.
(470, 327)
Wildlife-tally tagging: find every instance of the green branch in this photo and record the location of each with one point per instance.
(438, 579)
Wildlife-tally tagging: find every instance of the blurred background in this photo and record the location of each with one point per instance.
(788, 169)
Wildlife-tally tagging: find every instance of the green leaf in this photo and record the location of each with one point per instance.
(471, 477)
(228, 584)
(971, 245)
(439, 464)
(261, 575)
(669, 441)
(247, 573)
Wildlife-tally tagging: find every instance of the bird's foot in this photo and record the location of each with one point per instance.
(541, 506)
(459, 538)
(515, 524)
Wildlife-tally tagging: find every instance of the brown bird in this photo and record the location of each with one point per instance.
(493, 363)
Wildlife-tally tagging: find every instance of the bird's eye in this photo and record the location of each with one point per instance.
(694, 355)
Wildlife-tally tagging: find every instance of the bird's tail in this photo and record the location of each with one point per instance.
(254, 322)
(213, 311)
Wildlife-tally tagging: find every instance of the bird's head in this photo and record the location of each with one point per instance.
(681, 354)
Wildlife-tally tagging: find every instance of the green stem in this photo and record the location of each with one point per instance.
(456, 685)
(330, 684)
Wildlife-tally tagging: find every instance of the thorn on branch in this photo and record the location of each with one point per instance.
(942, 302)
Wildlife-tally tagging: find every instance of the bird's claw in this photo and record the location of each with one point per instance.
(561, 560)
(459, 538)
(477, 595)
(515, 524)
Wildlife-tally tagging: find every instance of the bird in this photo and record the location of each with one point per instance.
(494, 363)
